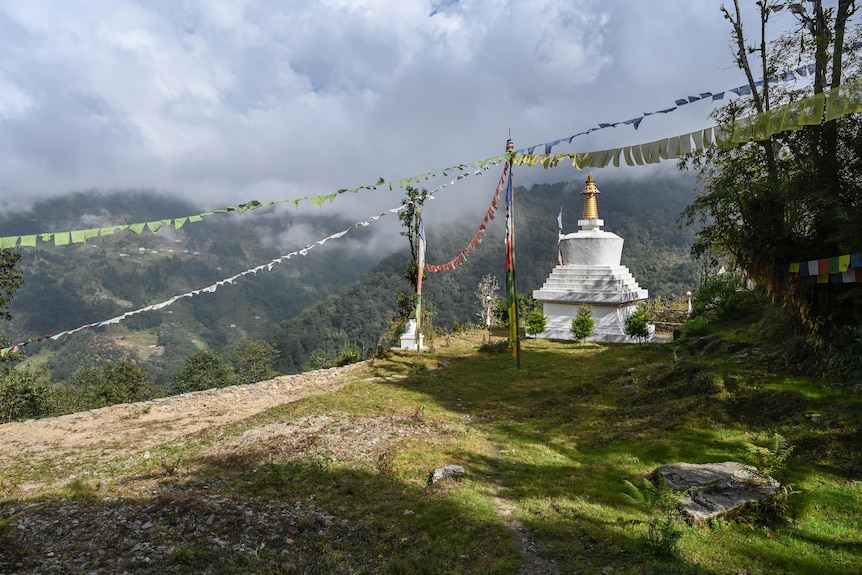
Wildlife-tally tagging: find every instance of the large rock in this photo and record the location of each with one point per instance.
(716, 489)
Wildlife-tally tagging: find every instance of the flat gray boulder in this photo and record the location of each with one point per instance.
(716, 489)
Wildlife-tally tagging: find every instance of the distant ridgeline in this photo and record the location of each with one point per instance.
(330, 299)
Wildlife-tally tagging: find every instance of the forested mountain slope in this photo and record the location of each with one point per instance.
(338, 295)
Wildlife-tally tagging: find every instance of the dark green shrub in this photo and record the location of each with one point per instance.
(204, 370)
(23, 395)
(637, 324)
(536, 322)
(499, 346)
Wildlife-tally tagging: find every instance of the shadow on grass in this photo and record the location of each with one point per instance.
(571, 427)
(551, 443)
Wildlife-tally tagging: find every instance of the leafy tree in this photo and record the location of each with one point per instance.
(798, 194)
(526, 305)
(204, 370)
(319, 359)
(93, 350)
(713, 292)
(414, 199)
(10, 281)
(94, 387)
(637, 324)
(23, 395)
(583, 323)
(253, 359)
(486, 295)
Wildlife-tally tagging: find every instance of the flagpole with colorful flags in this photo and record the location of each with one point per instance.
(420, 264)
(560, 236)
(512, 299)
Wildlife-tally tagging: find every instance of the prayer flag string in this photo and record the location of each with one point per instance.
(826, 106)
(477, 237)
(209, 289)
(813, 110)
(268, 267)
(837, 269)
(79, 236)
(791, 75)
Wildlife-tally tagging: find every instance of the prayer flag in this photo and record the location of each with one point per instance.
(510, 262)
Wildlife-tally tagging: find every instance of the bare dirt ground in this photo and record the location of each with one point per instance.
(128, 428)
(166, 519)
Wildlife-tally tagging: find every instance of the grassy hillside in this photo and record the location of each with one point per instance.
(337, 482)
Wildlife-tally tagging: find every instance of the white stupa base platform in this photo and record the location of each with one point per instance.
(610, 291)
(609, 322)
(410, 343)
(408, 338)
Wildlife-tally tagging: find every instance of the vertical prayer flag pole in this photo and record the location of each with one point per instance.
(421, 268)
(512, 299)
(560, 236)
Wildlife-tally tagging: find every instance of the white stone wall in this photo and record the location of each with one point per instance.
(610, 322)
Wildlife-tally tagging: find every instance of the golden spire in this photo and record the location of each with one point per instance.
(591, 208)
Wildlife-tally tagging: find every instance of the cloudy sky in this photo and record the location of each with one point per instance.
(226, 101)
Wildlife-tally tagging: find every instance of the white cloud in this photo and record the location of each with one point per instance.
(228, 101)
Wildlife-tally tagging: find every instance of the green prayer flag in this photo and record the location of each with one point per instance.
(154, 226)
(137, 228)
(196, 218)
(8, 242)
(62, 238)
(180, 222)
(761, 126)
(28, 241)
(107, 231)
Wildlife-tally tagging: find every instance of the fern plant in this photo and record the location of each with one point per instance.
(663, 529)
(772, 459)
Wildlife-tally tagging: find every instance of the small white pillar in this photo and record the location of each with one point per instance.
(408, 340)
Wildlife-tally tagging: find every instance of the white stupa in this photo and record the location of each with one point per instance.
(590, 276)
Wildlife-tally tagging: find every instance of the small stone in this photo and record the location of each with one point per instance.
(445, 472)
(408, 512)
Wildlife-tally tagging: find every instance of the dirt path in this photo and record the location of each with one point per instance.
(128, 428)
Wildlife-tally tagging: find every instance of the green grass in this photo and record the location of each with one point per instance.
(554, 441)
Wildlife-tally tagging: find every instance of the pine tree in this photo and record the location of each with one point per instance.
(583, 324)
